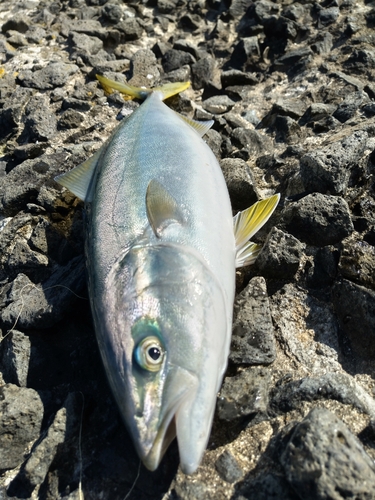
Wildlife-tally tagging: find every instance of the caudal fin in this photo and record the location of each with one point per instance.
(167, 90)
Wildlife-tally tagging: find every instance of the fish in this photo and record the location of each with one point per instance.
(161, 249)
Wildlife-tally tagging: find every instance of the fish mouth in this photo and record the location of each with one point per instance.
(180, 389)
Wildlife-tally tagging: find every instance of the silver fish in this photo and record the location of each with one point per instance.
(162, 248)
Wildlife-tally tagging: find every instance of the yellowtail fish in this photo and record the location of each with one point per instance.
(162, 248)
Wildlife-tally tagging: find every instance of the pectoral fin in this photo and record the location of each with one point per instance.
(246, 224)
(162, 208)
(79, 178)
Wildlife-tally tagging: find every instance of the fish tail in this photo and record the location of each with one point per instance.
(167, 90)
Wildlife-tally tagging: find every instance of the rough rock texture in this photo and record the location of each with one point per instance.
(290, 88)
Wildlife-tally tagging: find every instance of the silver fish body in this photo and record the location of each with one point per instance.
(175, 283)
(162, 249)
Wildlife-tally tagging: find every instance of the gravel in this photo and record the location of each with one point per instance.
(289, 87)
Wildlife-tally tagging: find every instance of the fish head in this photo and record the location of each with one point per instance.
(164, 342)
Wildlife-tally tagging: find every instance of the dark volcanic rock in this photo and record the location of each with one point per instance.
(328, 170)
(280, 256)
(354, 306)
(55, 74)
(253, 339)
(240, 182)
(245, 394)
(323, 459)
(21, 414)
(228, 467)
(318, 219)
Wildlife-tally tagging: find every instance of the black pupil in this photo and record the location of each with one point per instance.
(154, 353)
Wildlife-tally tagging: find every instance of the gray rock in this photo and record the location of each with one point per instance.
(112, 12)
(218, 104)
(360, 61)
(294, 108)
(253, 141)
(280, 256)
(318, 219)
(244, 394)
(46, 303)
(237, 77)
(214, 140)
(203, 72)
(240, 183)
(15, 350)
(18, 22)
(294, 58)
(82, 43)
(253, 340)
(174, 59)
(354, 306)
(70, 118)
(245, 53)
(357, 262)
(329, 15)
(228, 467)
(22, 184)
(324, 460)
(267, 486)
(131, 28)
(13, 109)
(350, 105)
(323, 43)
(40, 122)
(144, 68)
(336, 386)
(316, 112)
(55, 74)
(21, 414)
(77, 104)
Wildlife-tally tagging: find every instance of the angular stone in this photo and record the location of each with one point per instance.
(280, 256)
(240, 183)
(253, 339)
(318, 219)
(228, 467)
(244, 394)
(354, 306)
(323, 459)
(21, 415)
(15, 350)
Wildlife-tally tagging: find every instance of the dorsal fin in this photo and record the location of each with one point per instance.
(247, 223)
(161, 207)
(200, 127)
(167, 90)
(79, 178)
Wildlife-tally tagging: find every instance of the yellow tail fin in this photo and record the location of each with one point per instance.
(167, 90)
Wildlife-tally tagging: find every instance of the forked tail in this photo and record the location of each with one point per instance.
(167, 90)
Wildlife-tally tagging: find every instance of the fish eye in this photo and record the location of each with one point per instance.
(149, 354)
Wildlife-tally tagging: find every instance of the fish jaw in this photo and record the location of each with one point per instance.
(168, 293)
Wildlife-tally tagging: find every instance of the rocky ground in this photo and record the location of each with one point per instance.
(290, 86)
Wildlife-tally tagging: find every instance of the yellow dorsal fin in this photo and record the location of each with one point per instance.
(79, 178)
(247, 223)
(161, 207)
(167, 90)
